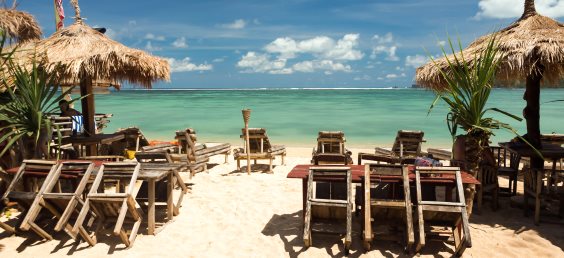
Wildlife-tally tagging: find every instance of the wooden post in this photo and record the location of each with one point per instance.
(246, 118)
(532, 112)
(88, 111)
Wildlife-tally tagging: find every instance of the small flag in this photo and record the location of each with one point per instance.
(59, 14)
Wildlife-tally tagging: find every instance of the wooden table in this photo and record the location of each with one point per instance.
(94, 140)
(357, 173)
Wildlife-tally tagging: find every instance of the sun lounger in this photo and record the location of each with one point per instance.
(451, 214)
(326, 208)
(260, 148)
(331, 149)
(65, 205)
(407, 146)
(114, 207)
(386, 204)
(197, 155)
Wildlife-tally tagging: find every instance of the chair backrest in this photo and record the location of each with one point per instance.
(333, 174)
(76, 169)
(258, 140)
(440, 174)
(408, 143)
(383, 173)
(487, 175)
(121, 170)
(331, 142)
(34, 168)
(134, 139)
(532, 181)
(184, 142)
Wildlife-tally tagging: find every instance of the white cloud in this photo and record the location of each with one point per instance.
(502, 9)
(149, 47)
(441, 43)
(321, 47)
(324, 65)
(184, 65)
(235, 25)
(151, 36)
(260, 63)
(365, 77)
(256, 22)
(219, 60)
(180, 43)
(416, 60)
(384, 45)
(391, 76)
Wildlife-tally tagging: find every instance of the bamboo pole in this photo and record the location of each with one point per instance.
(246, 118)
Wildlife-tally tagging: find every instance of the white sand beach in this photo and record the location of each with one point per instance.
(232, 214)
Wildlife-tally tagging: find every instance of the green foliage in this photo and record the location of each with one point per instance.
(468, 89)
(32, 94)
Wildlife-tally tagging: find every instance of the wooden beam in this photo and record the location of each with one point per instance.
(88, 111)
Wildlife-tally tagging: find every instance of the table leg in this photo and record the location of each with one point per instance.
(169, 203)
(151, 213)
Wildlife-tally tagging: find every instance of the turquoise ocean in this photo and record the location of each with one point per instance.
(369, 117)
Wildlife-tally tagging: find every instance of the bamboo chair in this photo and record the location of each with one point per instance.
(64, 205)
(487, 175)
(3, 225)
(114, 207)
(260, 148)
(328, 208)
(451, 214)
(384, 203)
(331, 149)
(34, 170)
(407, 146)
(198, 155)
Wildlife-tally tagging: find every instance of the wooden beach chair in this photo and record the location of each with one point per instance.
(260, 148)
(508, 165)
(328, 208)
(114, 207)
(34, 176)
(387, 200)
(407, 146)
(331, 149)
(535, 188)
(448, 213)
(197, 155)
(64, 204)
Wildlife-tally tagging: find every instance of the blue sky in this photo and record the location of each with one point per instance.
(292, 43)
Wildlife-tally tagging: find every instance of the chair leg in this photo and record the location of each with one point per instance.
(421, 243)
(514, 185)
(480, 199)
(238, 164)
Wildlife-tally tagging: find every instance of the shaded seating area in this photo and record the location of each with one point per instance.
(260, 148)
(331, 149)
(387, 202)
(406, 147)
(322, 208)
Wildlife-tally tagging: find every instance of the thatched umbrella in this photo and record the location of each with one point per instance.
(81, 55)
(19, 26)
(533, 52)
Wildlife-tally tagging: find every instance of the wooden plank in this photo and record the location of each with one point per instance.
(151, 207)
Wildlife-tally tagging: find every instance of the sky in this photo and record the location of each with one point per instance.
(292, 43)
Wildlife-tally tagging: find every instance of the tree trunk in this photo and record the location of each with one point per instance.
(532, 113)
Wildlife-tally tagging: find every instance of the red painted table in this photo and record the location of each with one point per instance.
(302, 172)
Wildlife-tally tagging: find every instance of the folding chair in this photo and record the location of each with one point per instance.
(386, 201)
(443, 213)
(65, 205)
(116, 206)
(328, 208)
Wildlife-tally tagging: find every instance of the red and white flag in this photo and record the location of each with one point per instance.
(59, 14)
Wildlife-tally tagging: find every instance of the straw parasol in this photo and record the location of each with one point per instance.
(81, 55)
(532, 49)
(19, 26)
